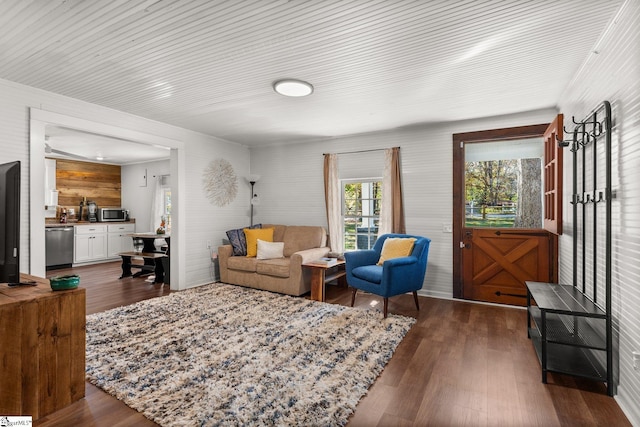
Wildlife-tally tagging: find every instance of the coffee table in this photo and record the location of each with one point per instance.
(321, 274)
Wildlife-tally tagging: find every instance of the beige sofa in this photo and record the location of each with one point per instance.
(302, 244)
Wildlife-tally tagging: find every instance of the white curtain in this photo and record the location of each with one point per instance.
(157, 203)
(333, 201)
(386, 204)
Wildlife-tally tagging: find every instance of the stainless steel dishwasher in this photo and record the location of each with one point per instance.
(58, 247)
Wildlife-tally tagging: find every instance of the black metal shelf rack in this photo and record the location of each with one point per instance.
(571, 325)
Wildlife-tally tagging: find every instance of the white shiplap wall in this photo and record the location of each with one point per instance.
(14, 136)
(202, 220)
(291, 185)
(137, 198)
(207, 222)
(613, 74)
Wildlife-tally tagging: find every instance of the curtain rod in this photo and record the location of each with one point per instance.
(361, 151)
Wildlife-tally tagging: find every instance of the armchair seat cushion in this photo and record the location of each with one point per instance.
(370, 273)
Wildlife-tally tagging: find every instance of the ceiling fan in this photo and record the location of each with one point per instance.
(50, 150)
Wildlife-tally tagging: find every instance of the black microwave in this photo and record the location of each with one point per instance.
(112, 214)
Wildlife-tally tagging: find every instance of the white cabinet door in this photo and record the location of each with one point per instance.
(90, 247)
(119, 242)
(99, 246)
(81, 249)
(90, 243)
(119, 239)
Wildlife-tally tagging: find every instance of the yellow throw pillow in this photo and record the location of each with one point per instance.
(253, 234)
(396, 247)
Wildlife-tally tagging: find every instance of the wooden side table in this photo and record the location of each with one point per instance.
(42, 348)
(321, 274)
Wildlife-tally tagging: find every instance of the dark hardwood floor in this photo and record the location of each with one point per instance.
(461, 364)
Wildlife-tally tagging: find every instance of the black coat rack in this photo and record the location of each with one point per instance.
(591, 200)
(571, 325)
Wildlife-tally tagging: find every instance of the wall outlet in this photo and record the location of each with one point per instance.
(636, 360)
(447, 227)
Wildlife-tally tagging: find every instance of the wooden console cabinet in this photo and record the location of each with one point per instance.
(42, 348)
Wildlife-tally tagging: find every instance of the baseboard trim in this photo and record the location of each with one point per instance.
(425, 293)
(628, 406)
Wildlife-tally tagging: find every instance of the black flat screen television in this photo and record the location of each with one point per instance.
(10, 222)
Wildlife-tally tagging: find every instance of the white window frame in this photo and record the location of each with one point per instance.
(166, 207)
(370, 220)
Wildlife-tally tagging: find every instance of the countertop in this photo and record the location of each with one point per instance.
(72, 223)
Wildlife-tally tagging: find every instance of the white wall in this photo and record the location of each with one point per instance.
(206, 221)
(613, 74)
(201, 220)
(137, 198)
(291, 185)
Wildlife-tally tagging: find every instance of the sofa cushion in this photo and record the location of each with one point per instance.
(238, 240)
(396, 247)
(253, 235)
(279, 267)
(278, 231)
(300, 237)
(242, 263)
(270, 250)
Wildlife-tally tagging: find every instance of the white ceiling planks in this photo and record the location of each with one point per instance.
(209, 65)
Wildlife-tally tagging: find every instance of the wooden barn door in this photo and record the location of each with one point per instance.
(498, 245)
(497, 263)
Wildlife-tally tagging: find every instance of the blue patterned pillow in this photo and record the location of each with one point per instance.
(238, 240)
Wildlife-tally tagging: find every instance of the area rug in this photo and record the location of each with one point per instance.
(226, 355)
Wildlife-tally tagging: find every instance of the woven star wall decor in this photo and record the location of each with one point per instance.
(220, 182)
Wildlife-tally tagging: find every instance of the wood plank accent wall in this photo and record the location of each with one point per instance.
(97, 182)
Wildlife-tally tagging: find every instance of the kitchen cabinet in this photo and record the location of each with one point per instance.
(119, 239)
(90, 243)
(50, 192)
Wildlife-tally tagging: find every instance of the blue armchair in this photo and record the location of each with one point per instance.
(394, 277)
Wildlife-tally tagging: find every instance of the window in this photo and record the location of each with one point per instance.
(360, 212)
(503, 183)
(166, 204)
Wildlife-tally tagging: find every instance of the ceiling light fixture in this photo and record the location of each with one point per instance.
(292, 87)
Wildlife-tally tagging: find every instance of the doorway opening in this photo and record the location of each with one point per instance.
(39, 121)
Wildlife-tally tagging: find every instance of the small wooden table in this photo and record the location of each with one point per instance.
(321, 274)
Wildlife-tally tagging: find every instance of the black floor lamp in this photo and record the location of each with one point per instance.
(254, 197)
